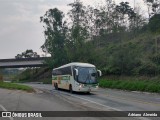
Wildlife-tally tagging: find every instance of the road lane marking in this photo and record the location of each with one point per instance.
(4, 109)
(140, 118)
(86, 100)
(64, 93)
(96, 103)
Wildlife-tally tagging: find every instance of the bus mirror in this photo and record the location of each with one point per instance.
(76, 72)
(99, 73)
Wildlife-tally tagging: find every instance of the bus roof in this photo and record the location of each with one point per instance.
(76, 64)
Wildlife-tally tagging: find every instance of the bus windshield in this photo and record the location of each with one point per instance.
(87, 75)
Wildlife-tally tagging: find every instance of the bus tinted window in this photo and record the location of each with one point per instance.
(62, 71)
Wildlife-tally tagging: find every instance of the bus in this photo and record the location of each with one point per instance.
(76, 76)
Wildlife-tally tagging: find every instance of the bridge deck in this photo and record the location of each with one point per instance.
(23, 62)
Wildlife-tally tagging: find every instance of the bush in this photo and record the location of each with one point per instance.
(16, 86)
(131, 85)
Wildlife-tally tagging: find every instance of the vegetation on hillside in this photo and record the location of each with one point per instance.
(116, 38)
(131, 85)
(34, 75)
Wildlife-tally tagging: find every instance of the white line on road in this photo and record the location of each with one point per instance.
(141, 118)
(4, 109)
(64, 93)
(97, 103)
(108, 107)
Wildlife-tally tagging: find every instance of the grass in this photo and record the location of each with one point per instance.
(16, 86)
(131, 85)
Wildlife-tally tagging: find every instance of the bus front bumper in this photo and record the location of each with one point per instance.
(86, 89)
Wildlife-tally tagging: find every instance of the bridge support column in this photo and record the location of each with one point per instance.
(1, 78)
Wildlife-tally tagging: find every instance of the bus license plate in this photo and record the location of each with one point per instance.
(89, 89)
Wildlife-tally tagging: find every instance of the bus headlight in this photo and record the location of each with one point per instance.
(81, 85)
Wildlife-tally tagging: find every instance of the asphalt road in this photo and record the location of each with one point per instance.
(113, 99)
(47, 98)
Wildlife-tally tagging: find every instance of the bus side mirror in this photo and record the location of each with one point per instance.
(76, 74)
(99, 73)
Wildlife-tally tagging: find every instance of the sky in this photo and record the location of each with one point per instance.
(20, 27)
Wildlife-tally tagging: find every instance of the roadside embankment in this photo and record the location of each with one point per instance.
(16, 86)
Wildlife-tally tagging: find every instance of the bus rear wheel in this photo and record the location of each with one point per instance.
(56, 86)
(70, 89)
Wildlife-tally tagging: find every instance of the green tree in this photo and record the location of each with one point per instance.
(78, 32)
(55, 36)
(154, 23)
(125, 13)
(29, 53)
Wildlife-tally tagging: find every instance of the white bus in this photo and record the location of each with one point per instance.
(80, 77)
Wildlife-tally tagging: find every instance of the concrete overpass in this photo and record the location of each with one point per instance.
(23, 62)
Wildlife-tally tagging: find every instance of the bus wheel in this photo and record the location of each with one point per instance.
(70, 89)
(56, 86)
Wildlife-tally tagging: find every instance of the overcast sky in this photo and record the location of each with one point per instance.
(20, 26)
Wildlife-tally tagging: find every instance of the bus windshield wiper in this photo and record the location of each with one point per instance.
(87, 78)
